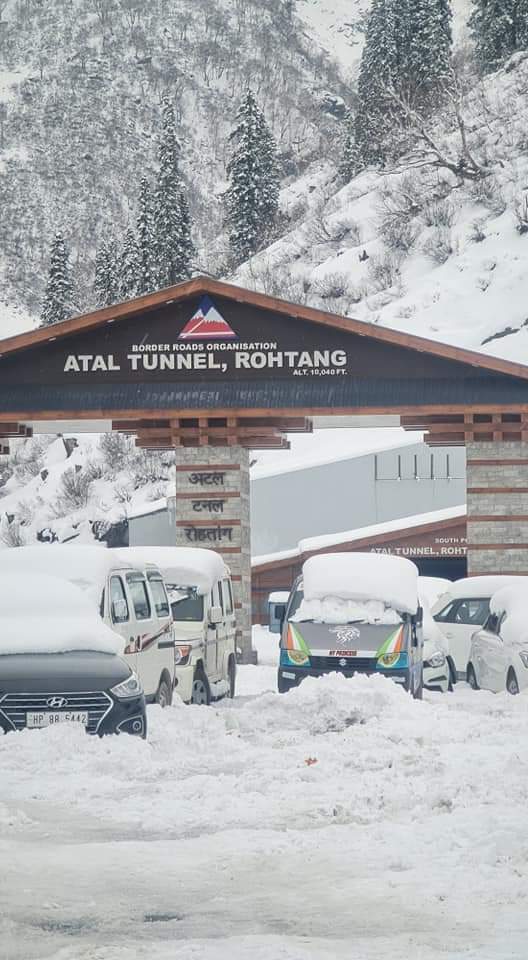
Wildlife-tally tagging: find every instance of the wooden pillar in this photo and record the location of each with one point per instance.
(212, 510)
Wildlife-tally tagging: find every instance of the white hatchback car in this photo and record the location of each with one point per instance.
(498, 657)
(462, 610)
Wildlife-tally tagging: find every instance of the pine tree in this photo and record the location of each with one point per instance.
(172, 221)
(499, 27)
(350, 161)
(145, 239)
(407, 57)
(379, 72)
(130, 267)
(58, 298)
(106, 273)
(252, 200)
(426, 58)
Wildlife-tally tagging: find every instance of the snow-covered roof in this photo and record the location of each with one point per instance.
(511, 600)
(362, 576)
(279, 596)
(43, 614)
(485, 586)
(146, 509)
(85, 566)
(431, 588)
(182, 566)
(311, 544)
(329, 446)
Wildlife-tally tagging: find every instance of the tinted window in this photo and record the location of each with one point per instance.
(447, 615)
(157, 589)
(472, 612)
(190, 609)
(118, 601)
(228, 598)
(140, 598)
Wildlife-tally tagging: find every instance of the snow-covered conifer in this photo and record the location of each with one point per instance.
(106, 273)
(499, 27)
(145, 239)
(172, 221)
(129, 274)
(379, 72)
(252, 199)
(58, 298)
(350, 161)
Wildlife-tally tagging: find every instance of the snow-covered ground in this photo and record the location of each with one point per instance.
(340, 822)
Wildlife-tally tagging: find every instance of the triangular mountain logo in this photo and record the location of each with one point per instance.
(207, 324)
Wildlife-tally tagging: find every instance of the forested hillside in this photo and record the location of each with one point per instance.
(81, 85)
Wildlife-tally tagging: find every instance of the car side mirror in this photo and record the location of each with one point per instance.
(215, 615)
(119, 611)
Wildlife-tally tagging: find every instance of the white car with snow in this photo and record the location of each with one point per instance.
(438, 668)
(201, 597)
(462, 610)
(129, 596)
(498, 657)
(354, 613)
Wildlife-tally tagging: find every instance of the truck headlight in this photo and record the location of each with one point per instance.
(524, 657)
(437, 660)
(128, 688)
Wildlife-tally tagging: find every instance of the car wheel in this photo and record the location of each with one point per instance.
(512, 684)
(471, 677)
(231, 676)
(164, 694)
(452, 678)
(201, 692)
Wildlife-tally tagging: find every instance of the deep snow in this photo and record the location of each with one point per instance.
(340, 821)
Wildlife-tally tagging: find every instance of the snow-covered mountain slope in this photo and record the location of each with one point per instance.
(418, 248)
(80, 89)
(82, 488)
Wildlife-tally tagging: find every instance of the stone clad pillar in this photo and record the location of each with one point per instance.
(212, 510)
(497, 500)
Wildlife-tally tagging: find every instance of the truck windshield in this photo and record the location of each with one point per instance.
(189, 609)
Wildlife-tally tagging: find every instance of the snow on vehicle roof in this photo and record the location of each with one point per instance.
(43, 614)
(512, 600)
(182, 566)
(279, 596)
(362, 576)
(474, 587)
(85, 566)
(431, 588)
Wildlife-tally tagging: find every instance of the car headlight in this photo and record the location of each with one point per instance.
(131, 687)
(182, 652)
(437, 660)
(388, 659)
(524, 657)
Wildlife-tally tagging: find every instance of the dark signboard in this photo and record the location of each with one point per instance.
(199, 340)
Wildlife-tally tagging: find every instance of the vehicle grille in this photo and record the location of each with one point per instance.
(14, 706)
(352, 664)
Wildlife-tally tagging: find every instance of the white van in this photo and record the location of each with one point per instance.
(463, 609)
(201, 597)
(130, 597)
